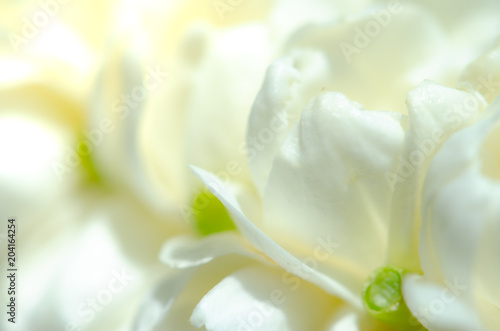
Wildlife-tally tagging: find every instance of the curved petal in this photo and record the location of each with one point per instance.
(347, 319)
(256, 298)
(289, 84)
(468, 27)
(460, 212)
(339, 56)
(118, 102)
(238, 59)
(435, 113)
(288, 15)
(158, 305)
(385, 35)
(438, 307)
(172, 301)
(262, 242)
(199, 117)
(484, 75)
(456, 196)
(187, 251)
(329, 182)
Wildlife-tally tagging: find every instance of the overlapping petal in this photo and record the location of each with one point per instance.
(438, 307)
(198, 119)
(171, 303)
(256, 298)
(383, 34)
(264, 243)
(460, 211)
(188, 251)
(329, 182)
(435, 113)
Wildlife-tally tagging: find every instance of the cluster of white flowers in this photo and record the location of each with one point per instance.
(315, 165)
(353, 219)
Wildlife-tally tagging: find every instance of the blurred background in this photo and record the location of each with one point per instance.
(101, 111)
(103, 105)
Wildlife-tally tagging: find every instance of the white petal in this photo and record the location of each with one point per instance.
(117, 107)
(348, 319)
(290, 83)
(262, 242)
(460, 212)
(472, 25)
(484, 75)
(173, 300)
(456, 197)
(385, 35)
(329, 182)
(221, 97)
(199, 115)
(257, 298)
(187, 251)
(437, 307)
(435, 112)
(158, 305)
(288, 15)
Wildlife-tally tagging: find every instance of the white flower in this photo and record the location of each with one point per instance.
(340, 187)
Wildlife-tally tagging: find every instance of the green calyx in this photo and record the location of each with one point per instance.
(90, 170)
(84, 149)
(210, 214)
(384, 301)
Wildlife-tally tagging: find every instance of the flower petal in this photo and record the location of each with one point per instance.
(187, 251)
(435, 113)
(347, 319)
(460, 212)
(218, 110)
(257, 298)
(262, 242)
(288, 15)
(205, 105)
(439, 308)
(156, 308)
(484, 74)
(328, 182)
(118, 102)
(385, 35)
(290, 83)
(173, 300)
